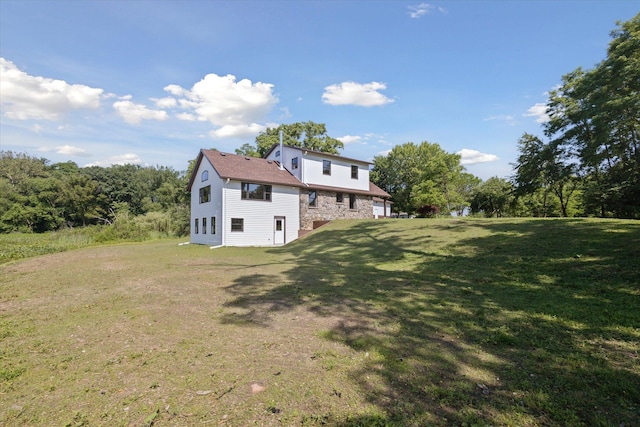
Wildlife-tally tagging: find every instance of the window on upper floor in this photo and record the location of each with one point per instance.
(294, 163)
(326, 167)
(205, 194)
(256, 191)
(354, 172)
(313, 198)
(204, 176)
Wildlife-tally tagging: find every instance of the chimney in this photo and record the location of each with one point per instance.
(281, 153)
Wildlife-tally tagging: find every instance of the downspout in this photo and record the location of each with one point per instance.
(224, 213)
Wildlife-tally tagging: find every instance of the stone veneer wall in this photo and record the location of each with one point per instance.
(328, 209)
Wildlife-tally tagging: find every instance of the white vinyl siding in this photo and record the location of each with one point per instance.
(213, 208)
(340, 172)
(258, 216)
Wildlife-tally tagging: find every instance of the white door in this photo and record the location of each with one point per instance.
(278, 230)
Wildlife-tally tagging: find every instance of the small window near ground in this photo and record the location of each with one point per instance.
(213, 225)
(205, 194)
(326, 167)
(352, 201)
(313, 198)
(204, 225)
(339, 198)
(294, 163)
(195, 227)
(237, 224)
(354, 172)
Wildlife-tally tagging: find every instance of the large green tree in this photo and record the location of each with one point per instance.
(595, 115)
(304, 134)
(493, 197)
(421, 174)
(544, 167)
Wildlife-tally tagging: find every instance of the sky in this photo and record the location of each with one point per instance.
(153, 82)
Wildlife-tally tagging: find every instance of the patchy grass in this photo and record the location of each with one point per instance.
(16, 246)
(363, 323)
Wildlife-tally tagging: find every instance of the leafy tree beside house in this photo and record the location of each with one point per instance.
(419, 175)
(303, 134)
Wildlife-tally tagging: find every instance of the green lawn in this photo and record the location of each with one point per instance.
(399, 322)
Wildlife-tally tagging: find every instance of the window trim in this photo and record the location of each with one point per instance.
(313, 204)
(353, 199)
(326, 167)
(241, 224)
(267, 191)
(205, 191)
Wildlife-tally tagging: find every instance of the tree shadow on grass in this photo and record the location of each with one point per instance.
(521, 323)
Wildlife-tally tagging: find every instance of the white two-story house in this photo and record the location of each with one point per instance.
(248, 201)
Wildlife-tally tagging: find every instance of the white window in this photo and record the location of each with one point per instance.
(237, 224)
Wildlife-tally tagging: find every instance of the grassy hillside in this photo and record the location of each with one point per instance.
(403, 322)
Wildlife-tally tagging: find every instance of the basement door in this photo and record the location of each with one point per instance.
(278, 230)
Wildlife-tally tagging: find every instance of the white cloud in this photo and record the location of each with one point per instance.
(124, 159)
(228, 131)
(188, 117)
(174, 90)
(539, 111)
(509, 119)
(167, 102)
(384, 153)
(349, 139)
(352, 93)
(135, 113)
(70, 150)
(27, 97)
(419, 10)
(235, 107)
(470, 157)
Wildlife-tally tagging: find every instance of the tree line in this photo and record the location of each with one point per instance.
(132, 200)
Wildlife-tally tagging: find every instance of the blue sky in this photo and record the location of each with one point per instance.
(152, 82)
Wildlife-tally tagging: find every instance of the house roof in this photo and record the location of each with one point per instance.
(374, 190)
(321, 153)
(264, 171)
(244, 168)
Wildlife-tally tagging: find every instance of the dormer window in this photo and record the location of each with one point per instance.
(294, 163)
(204, 176)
